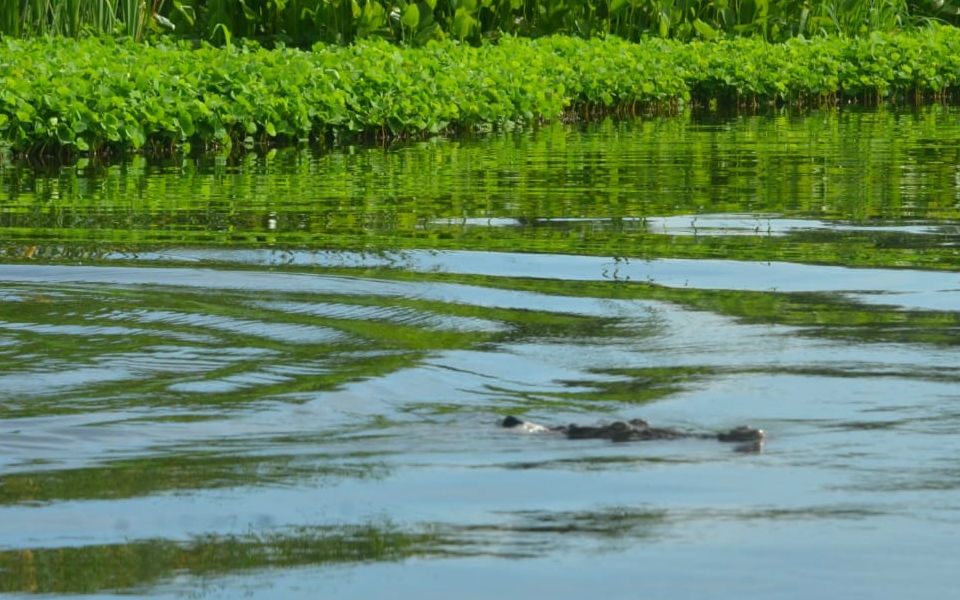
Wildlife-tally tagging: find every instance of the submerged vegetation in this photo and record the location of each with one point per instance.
(100, 95)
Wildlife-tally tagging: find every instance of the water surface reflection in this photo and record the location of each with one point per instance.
(282, 376)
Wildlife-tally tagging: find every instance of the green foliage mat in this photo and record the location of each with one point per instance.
(95, 95)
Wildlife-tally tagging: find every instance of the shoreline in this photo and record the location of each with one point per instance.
(102, 96)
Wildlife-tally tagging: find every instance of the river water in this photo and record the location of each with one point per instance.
(282, 375)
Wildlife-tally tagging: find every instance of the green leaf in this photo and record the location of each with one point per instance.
(248, 13)
(463, 23)
(187, 127)
(411, 16)
(705, 31)
(664, 24)
(111, 127)
(372, 18)
(135, 134)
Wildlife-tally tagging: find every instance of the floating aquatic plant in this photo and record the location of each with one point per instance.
(93, 95)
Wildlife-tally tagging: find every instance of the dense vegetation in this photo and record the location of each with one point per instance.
(304, 22)
(95, 95)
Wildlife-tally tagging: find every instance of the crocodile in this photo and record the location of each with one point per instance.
(750, 438)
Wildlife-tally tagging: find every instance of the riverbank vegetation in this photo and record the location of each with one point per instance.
(99, 95)
(305, 22)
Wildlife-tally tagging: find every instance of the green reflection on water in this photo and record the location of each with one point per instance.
(183, 470)
(140, 565)
(142, 341)
(814, 314)
(835, 167)
(170, 353)
(137, 565)
(166, 354)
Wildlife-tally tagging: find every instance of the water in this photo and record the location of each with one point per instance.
(281, 377)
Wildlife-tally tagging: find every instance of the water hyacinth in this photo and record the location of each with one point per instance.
(94, 95)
